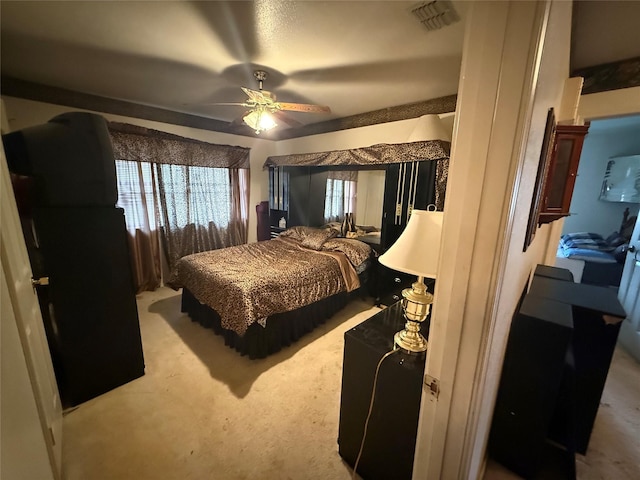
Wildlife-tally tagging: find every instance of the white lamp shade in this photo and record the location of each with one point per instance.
(259, 120)
(417, 250)
(429, 127)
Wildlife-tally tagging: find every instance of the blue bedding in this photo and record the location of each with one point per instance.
(592, 247)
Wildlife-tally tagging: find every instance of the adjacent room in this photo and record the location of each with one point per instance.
(293, 239)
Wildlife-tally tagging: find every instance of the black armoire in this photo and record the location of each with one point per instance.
(63, 174)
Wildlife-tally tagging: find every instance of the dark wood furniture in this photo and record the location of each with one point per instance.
(262, 212)
(558, 354)
(407, 186)
(89, 307)
(296, 194)
(553, 272)
(65, 183)
(532, 376)
(391, 435)
(597, 317)
(561, 172)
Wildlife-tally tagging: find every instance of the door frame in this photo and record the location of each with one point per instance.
(28, 318)
(501, 58)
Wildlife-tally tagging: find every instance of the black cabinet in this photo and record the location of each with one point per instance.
(89, 307)
(597, 317)
(391, 434)
(297, 195)
(408, 186)
(558, 354)
(306, 195)
(531, 382)
(65, 187)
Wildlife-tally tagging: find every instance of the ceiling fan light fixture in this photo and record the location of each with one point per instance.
(435, 14)
(260, 120)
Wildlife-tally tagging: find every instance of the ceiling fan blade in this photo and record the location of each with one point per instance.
(292, 122)
(304, 107)
(256, 95)
(224, 103)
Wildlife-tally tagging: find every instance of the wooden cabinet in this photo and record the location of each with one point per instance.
(561, 172)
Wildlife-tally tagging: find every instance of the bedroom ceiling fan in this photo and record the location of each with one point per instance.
(264, 109)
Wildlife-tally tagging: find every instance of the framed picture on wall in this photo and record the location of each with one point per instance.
(547, 145)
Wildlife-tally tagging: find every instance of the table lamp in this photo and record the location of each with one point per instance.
(416, 252)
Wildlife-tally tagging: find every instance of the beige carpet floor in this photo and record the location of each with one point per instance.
(202, 411)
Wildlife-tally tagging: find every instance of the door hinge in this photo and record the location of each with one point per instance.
(432, 385)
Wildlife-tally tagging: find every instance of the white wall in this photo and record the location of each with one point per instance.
(553, 71)
(606, 138)
(507, 86)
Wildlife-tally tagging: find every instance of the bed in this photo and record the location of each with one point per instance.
(263, 296)
(593, 259)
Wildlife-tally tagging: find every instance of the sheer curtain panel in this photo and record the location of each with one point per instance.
(340, 194)
(180, 196)
(136, 195)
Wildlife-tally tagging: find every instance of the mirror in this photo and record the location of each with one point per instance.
(370, 196)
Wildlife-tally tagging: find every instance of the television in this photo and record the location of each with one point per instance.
(67, 161)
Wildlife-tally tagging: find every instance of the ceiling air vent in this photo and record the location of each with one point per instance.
(436, 14)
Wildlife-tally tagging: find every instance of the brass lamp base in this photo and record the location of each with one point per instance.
(416, 303)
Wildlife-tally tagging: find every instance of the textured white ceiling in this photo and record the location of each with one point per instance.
(352, 56)
(604, 31)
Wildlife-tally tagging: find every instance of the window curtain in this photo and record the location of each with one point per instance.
(201, 209)
(180, 196)
(136, 195)
(340, 197)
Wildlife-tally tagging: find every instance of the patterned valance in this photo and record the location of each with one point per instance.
(373, 155)
(132, 142)
(348, 175)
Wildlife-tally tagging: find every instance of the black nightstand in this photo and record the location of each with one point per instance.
(391, 435)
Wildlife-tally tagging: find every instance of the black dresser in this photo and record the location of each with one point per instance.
(391, 435)
(560, 346)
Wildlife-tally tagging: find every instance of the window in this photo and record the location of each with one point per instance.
(191, 195)
(340, 199)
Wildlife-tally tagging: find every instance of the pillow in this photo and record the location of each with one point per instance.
(295, 233)
(316, 237)
(585, 240)
(356, 251)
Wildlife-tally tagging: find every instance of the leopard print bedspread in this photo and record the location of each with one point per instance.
(247, 283)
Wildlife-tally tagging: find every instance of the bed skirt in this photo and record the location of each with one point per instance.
(281, 329)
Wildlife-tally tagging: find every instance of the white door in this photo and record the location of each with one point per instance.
(28, 319)
(628, 294)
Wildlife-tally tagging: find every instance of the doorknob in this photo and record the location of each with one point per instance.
(631, 249)
(39, 281)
